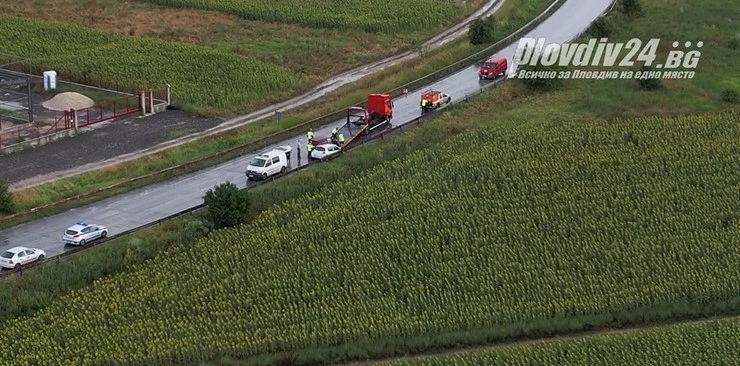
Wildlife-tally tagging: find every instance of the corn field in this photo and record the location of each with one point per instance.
(711, 343)
(497, 228)
(387, 16)
(199, 76)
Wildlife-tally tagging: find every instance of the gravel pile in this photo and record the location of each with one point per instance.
(68, 100)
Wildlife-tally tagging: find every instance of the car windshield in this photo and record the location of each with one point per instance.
(7, 255)
(489, 65)
(71, 232)
(320, 148)
(257, 162)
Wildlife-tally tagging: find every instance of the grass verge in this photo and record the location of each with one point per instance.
(512, 15)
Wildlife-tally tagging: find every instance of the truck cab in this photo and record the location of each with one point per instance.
(493, 67)
(379, 106)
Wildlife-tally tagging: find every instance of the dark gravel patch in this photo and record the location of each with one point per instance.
(107, 141)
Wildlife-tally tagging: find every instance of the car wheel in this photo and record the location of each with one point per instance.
(104, 234)
(283, 170)
(264, 176)
(82, 242)
(41, 257)
(17, 265)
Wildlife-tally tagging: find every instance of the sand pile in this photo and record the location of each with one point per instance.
(68, 100)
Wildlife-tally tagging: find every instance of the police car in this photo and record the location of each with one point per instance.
(82, 233)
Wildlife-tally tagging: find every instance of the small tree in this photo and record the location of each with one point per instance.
(729, 96)
(631, 7)
(227, 205)
(733, 43)
(600, 28)
(548, 77)
(648, 84)
(482, 31)
(6, 199)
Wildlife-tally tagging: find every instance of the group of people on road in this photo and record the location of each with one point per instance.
(336, 137)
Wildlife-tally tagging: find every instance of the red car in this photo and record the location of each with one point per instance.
(493, 67)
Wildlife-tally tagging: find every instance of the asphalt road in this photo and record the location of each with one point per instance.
(131, 210)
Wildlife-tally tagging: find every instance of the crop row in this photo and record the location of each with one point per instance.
(710, 343)
(388, 16)
(495, 229)
(199, 76)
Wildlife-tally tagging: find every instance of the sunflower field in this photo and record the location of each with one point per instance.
(508, 230)
(711, 343)
(199, 76)
(388, 16)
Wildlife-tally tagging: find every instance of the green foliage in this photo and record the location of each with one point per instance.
(648, 83)
(631, 7)
(546, 76)
(600, 28)
(199, 76)
(7, 206)
(710, 343)
(729, 96)
(388, 16)
(482, 31)
(532, 231)
(734, 43)
(227, 205)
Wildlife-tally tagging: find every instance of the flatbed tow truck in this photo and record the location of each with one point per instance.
(362, 121)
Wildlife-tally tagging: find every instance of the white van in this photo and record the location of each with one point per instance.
(267, 164)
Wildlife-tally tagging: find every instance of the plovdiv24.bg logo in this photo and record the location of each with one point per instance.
(619, 57)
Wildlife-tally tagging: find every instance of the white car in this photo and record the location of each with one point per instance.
(83, 233)
(325, 150)
(19, 256)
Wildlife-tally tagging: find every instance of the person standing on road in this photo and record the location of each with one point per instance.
(310, 134)
(341, 140)
(309, 148)
(298, 152)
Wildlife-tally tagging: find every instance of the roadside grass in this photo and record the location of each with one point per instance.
(511, 16)
(582, 101)
(311, 53)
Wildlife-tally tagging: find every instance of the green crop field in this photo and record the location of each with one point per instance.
(387, 16)
(500, 232)
(198, 76)
(710, 343)
(225, 58)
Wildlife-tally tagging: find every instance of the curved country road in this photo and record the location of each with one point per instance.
(134, 209)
